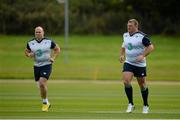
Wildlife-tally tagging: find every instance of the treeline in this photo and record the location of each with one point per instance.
(89, 16)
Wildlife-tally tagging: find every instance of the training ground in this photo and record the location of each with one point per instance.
(86, 99)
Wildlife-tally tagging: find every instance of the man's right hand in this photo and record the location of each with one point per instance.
(31, 55)
(121, 59)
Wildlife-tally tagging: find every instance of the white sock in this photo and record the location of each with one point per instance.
(45, 101)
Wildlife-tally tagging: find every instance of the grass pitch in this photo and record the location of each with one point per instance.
(89, 58)
(86, 100)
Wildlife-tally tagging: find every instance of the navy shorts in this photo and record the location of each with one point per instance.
(138, 71)
(43, 71)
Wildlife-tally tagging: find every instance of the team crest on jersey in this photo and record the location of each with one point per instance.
(39, 52)
(130, 46)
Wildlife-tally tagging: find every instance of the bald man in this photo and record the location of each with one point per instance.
(39, 48)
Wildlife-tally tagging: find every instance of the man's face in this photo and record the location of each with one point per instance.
(39, 33)
(131, 27)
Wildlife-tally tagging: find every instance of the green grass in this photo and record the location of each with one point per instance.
(90, 57)
(86, 99)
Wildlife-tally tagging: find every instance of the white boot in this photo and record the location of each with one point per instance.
(130, 108)
(145, 110)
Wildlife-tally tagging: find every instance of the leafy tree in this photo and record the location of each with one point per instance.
(89, 16)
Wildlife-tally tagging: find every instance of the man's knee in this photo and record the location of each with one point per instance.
(42, 82)
(127, 82)
(142, 83)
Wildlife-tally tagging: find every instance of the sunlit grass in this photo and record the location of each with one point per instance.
(90, 57)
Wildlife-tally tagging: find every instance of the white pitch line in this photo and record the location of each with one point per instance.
(88, 81)
(123, 112)
(97, 112)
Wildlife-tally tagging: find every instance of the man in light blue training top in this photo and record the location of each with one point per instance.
(40, 49)
(135, 48)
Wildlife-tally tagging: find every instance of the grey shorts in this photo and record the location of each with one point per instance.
(138, 71)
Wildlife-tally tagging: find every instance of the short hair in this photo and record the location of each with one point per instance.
(39, 27)
(136, 23)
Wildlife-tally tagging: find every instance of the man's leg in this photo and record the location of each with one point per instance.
(43, 88)
(127, 78)
(43, 92)
(144, 92)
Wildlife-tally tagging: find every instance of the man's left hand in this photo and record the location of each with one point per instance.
(51, 60)
(140, 58)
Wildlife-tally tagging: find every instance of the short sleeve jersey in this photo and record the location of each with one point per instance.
(134, 46)
(42, 50)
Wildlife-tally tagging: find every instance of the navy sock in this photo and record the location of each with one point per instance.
(129, 93)
(145, 93)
